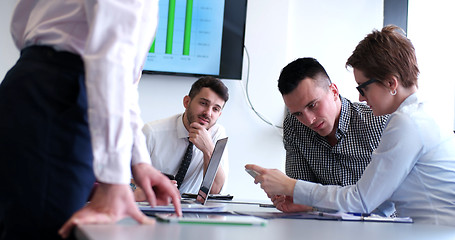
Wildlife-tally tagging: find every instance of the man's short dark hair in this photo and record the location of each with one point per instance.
(213, 83)
(299, 69)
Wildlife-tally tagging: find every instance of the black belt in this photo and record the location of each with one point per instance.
(47, 53)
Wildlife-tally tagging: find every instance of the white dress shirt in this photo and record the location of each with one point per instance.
(413, 166)
(167, 140)
(112, 37)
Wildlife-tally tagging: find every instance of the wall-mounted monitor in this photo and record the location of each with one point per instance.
(198, 38)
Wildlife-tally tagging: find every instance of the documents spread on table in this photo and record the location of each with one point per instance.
(340, 216)
(220, 208)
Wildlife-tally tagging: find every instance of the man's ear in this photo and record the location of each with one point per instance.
(186, 101)
(334, 89)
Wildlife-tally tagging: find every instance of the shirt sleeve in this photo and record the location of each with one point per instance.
(391, 162)
(114, 52)
(140, 153)
(149, 21)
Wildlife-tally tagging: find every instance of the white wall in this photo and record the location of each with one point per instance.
(8, 52)
(433, 37)
(329, 31)
(276, 33)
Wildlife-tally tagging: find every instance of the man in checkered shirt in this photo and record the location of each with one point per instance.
(328, 139)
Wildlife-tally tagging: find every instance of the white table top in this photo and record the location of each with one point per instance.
(286, 229)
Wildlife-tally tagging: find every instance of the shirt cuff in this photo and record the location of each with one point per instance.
(303, 192)
(112, 169)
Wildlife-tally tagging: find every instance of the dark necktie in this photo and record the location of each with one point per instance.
(184, 165)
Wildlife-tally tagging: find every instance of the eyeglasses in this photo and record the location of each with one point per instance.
(363, 85)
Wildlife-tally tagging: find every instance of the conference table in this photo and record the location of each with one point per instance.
(277, 228)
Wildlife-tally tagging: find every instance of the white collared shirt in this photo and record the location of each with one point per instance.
(112, 38)
(167, 140)
(413, 166)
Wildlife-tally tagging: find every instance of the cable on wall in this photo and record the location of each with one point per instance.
(247, 96)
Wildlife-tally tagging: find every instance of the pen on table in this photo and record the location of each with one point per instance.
(266, 205)
(359, 214)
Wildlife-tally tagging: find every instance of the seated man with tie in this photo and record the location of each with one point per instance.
(180, 146)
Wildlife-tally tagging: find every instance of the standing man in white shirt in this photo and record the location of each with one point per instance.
(167, 139)
(69, 114)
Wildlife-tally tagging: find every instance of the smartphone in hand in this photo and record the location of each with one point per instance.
(252, 172)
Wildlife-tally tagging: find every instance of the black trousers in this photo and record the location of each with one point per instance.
(45, 150)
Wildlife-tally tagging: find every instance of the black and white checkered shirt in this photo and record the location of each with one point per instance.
(310, 157)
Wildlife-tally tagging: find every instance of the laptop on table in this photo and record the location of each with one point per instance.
(190, 205)
(203, 195)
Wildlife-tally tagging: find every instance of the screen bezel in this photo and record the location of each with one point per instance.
(232, 44)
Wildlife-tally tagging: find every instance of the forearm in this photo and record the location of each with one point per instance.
(207, 157)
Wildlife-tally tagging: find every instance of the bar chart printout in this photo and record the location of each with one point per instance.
(188, 37)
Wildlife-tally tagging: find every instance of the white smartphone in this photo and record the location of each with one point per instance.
(252, 172)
